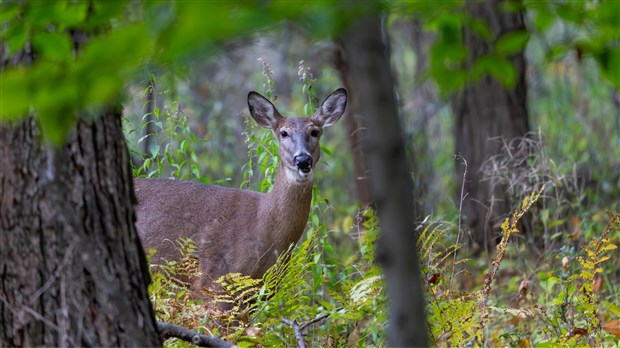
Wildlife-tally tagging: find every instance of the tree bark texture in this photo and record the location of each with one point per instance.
(484, 112)
(390, 183)
(72, 270)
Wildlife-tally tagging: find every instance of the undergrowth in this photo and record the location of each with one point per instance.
(564, 297)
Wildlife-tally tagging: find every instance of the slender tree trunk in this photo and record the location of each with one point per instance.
(149, 110)
(483, 111)
(72, 270)
(353, 128)
(389, 179)
(425, 103)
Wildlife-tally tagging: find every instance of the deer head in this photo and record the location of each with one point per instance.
(298, 136)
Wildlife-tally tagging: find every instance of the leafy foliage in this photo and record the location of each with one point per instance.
(86, 52)
(65, 82)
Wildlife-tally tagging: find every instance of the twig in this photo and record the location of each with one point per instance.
(299, 329)
(312, 321)
(463, 196)
(167, 330)
(279, 336)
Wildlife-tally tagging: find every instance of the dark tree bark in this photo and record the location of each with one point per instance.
(389, 179)
(72, 271)
(485, 110)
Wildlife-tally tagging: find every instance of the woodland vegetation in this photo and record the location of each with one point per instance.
(469, 196)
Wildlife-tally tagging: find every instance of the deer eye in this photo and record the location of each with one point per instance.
(314, 133)
(283, 134)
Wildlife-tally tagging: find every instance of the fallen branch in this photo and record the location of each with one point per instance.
(299, 329)
(167, 330)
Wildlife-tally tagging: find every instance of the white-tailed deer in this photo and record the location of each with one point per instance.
(238, 230)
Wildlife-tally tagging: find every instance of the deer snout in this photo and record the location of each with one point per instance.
(303, 162)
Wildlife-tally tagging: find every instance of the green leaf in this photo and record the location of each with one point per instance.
(52, 46)
(14, 94)
(481, 28)
(504, 71)
(8, 11)
(613, 308)
(16, 37)
(56, 123)
(195, 170)
(499, 68)
(542, 19)
(155, 150)
(609, 62)
(328, 306)
(512, 42)
(64, 13)
(542, 276)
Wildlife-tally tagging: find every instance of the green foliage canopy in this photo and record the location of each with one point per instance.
(594, 31)
(86, 51)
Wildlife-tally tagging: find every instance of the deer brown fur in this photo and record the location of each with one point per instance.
(239, 230)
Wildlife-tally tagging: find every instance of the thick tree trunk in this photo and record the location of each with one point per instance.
(72, 271)
(484, 111)
(391, 188)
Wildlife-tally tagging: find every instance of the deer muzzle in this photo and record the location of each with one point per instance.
(303, 162)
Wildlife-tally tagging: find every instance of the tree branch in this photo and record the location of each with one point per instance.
(167, 330)
(299, 329)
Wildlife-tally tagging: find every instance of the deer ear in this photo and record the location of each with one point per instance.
(332, 108)
(263, 112)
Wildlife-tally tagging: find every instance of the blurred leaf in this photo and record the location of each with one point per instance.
(64, 13)
(103, 12)
(613, 327)
(542, 19)
(8, 11)
(512, 42)
(613, 308)
(14, 94)
(609, 62)
(16, 37)
(56, 123)
(499, 68)
(52, 46)
(481, 28)
(571, 11)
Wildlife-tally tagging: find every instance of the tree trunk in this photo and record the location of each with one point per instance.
(391, 187)
(72, 269)
(352, 128)
(484, 111)
(424, 105)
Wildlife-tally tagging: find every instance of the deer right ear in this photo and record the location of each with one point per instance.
(263, 112)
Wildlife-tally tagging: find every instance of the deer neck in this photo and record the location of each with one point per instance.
(286, 207)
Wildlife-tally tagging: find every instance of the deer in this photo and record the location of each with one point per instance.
(236, 230)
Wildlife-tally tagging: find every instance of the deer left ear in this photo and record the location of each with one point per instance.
(332, 108)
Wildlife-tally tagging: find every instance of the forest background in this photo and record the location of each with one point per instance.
(504, 107)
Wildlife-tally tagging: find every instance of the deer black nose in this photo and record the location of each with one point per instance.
(303, 162)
